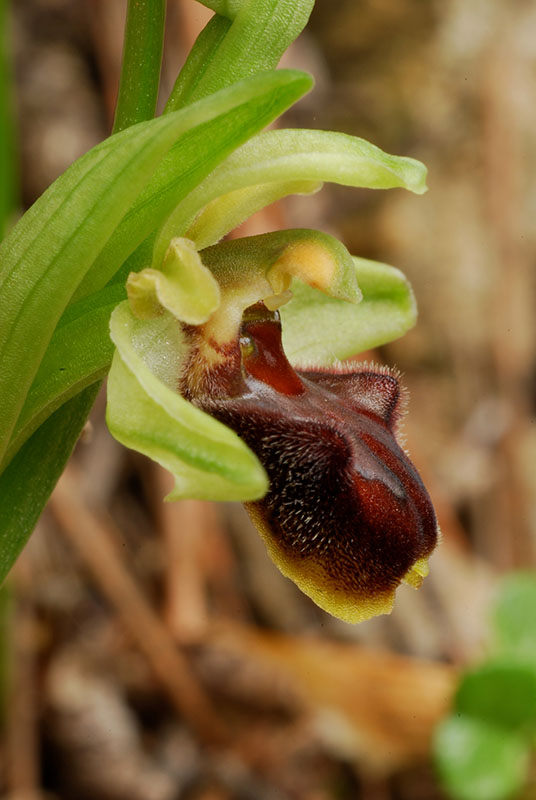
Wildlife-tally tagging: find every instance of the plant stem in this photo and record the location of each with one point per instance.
(8, 169)
(142, 59)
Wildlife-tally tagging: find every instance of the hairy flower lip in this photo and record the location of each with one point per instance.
(346, 515)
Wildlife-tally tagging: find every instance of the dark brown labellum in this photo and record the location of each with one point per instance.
(347, 516)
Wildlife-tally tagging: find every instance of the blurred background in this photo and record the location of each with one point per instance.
(153, 652)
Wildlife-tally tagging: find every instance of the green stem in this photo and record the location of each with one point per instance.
(7, 139)
(142, 59)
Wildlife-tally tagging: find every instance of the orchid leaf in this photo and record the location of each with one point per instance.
(227, 8)
(318, 329)
(79, 354)
(259, 35)
(279, 157)
(30, 477)
(145, 412)
(58, 236)
(210, 130)
(52, 247)
(198, 61)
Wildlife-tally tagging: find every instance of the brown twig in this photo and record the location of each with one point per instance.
(92, 535)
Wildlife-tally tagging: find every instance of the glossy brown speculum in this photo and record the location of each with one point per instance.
(347, 516)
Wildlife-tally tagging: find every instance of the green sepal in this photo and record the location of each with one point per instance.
(145, 412)
(281, 157)
(318, 329)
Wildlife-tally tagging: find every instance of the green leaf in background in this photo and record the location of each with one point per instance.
(259, 35)
(213, 127)
(32, 474)
(277, 157)
(514, 616)
(479, 761)
(501, 692)
(386, 312)
(145, 412)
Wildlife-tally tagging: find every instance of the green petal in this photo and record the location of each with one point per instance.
(183, 286)
(225, 213)
(318, 329)
(145, 412)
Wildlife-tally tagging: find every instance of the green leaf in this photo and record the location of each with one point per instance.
(259, 35)
(198, 61)
(32, 474)
(318, 329)
(80, 353)
(228, 8)
(479, 761)
(212, 129)
(40, 244)
(53, 245)
(278, 157)
(514, 616)
(501, 692)
(145, 412)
